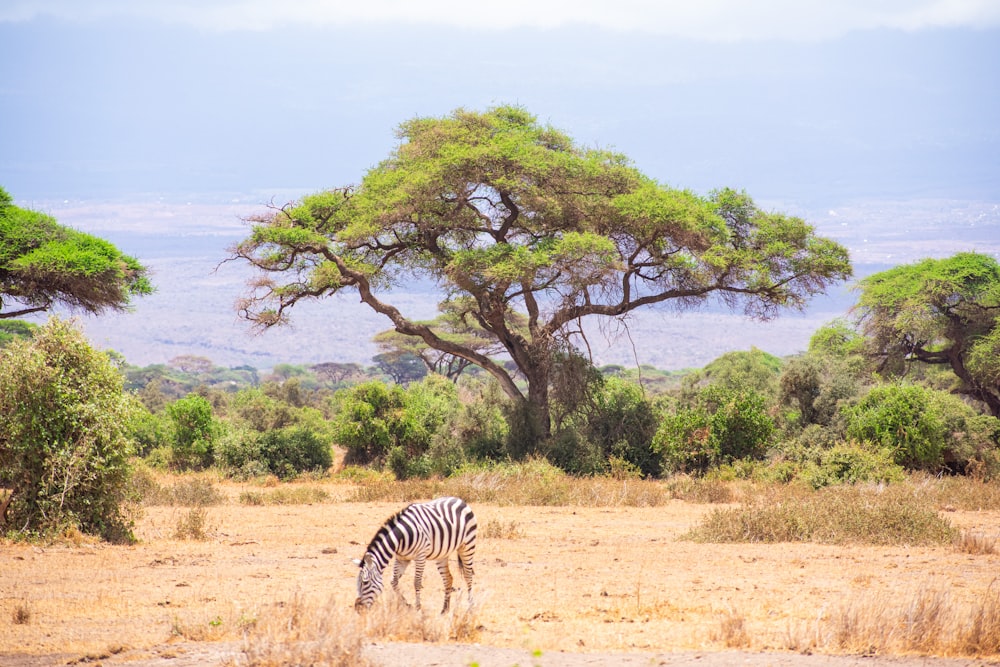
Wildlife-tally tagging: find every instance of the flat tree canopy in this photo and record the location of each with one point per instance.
(938, 311)
(525, 233)
(43, 263)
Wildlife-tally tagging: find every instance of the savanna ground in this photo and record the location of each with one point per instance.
(250, 582)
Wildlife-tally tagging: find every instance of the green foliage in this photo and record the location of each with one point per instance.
(836, 339)
(195, 432)
(900, 417)
(43, 264)
(285, 453)
(12, 330)
(752, 369)
(972, 440)
(623, 423)
(720, 425)
(506, 214)
(816, 386)
(150, 431)
(64, 447)
(851, 463)
(390, 425)
(368, 421)
(937, 311)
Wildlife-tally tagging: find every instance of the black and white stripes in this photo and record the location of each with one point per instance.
(423, 531)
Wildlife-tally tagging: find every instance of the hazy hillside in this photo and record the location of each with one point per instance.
(192, 311)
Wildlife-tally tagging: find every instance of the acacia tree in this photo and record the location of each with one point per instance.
(451, 326)
(937, 311)
(43, 263)
(526, 233)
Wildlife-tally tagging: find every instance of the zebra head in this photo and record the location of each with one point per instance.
(369, 582)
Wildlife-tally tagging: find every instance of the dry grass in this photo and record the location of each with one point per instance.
(22, 613)
(976, 543)
(833, 515)
(304, 633)
(291, 495)
(193, 525)
(548, 577)
(929, 622)
(300, 633)
(187, 491)
(538, 483)
(732, 631)
(504, 530)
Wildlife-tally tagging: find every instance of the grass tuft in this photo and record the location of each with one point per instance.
(832, 515)
(22, 613)
(193, 525)
(496, 529)
(977, 544)
(293, 495)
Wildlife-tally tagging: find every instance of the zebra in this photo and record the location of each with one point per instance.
(420, 532)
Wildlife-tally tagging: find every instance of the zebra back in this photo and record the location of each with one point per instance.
(434, 530)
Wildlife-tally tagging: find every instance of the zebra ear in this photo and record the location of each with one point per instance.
(356, 561)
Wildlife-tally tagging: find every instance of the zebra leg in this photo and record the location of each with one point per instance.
(418, 578)
(442, 566)
(465, 564)
(398, 568)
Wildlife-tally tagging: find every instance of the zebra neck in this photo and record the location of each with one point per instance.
(385, 544)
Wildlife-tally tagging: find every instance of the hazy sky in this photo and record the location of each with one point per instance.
(794, 100)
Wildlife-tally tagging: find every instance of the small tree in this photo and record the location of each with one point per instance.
(64, 450)
(720, 425)
(938, 311)
(43, 263)
(194, 432)
(900, 418)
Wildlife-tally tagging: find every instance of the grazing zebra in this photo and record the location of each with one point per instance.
(422, 531)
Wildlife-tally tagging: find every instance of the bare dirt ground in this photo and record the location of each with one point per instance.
(559, 587)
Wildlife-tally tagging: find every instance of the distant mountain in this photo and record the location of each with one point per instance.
(193, 311)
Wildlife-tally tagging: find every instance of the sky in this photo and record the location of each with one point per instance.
(158, 123)
(803, 101)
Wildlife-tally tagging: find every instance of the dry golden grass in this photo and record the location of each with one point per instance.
(832, 515)
(928, 621)
(587, 577)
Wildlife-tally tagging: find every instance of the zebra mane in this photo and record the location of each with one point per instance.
(386, 527)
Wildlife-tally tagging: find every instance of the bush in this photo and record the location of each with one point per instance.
(623, 424)
(833, 515)
(194, 432)
(367, 423)
(375, 420)
(64, 446)
(149, 431)
(850, 463)
(903, 418)
(721, 426)
(285, 453)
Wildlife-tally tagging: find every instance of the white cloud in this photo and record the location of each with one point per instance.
(715, 20)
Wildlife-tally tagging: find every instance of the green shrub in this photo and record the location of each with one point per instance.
(623, 424)
(375, 420)
(575, 453)
(149, 431)
(64, 446)
(368, 422)
(850, 463)
(720, 426)
(286, 453)
(194, 432)
(902, 418)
